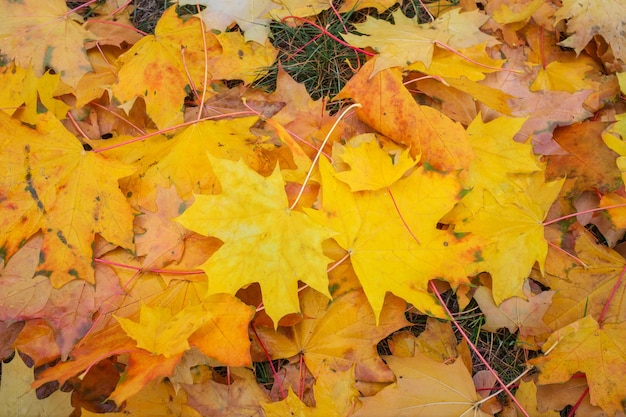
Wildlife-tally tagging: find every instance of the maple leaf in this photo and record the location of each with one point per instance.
(181, 161)
(161, 333)
(264, 240)
(493, 145)
(18, 399)
(21, 86)
(514, 228)
(584, 290)
(249, 15)
(424, 387)
(53, 184)
(158, 398)
(411, 251)
(45, 35)
(406, 41)
(389, 108)
(526, 394)
(241, 60)
(335, 396)
(242, 397)
(369, 169)
(598, 351)
(562, 76)
(515, 313)
(156, 67)
(587, 19)
(159, 238)
(589, 163)
(338, 335)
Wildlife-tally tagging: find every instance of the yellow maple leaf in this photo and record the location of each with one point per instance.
(370, 169)
(392, 233)
(45, 35)
(156, 68)
(52, 183)
(20, 86)
(512, 230)
(493, 146)
(161, 333)
(561, 76)
(241, 60)
(448, 64)
(264, 240)
(598, 351)
(406, 41)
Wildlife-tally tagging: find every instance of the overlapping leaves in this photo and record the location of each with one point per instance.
(165, 239)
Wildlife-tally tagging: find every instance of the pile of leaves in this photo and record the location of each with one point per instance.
(177, 241)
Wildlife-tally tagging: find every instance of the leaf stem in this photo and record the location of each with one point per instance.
(558, 219)
(169, 129)
(269, 359)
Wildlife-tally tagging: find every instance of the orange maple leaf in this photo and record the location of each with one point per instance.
(389, 108)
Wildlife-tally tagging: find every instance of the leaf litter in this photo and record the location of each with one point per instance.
(273, 232)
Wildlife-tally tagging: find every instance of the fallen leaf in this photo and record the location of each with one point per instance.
(156, 67)
(586, 19)
(45, 35)
(585, 346)
(160, 333)
(338, 335)
(54, 185)
(424, 387)
(241, 398)
(249, 15)
(389, 108)
(515, 313)
(371, 169)
(264, 240)
(19, 399)
(411, 250)
(405, 41)
(335, 396)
